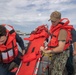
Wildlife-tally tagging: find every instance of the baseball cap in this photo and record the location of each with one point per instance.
(55, 15)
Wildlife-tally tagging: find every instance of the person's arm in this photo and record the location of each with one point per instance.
(62, 40)
(74, 51)
(58, 49)
(21, 43)
(73, 32)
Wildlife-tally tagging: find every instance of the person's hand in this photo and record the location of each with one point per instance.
(42, 49)
(23, 52)
(74, 53)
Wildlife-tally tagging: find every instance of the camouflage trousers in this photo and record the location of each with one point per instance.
(58, 62)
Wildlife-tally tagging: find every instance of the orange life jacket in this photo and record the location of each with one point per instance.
(40, 31)
(10, 50)
(54, 31)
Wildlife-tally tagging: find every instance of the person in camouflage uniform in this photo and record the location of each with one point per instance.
(59, 59)
(60, 55)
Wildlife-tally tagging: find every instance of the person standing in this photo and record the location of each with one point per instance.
(69, 65)
(59, 43)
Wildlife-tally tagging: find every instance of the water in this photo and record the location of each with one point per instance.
(25, 41)
(24, 36)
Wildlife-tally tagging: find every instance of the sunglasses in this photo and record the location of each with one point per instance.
(53, 21)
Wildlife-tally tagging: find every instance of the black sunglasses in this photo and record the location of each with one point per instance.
(53, 21)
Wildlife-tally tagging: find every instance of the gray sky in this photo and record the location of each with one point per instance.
(26, 15)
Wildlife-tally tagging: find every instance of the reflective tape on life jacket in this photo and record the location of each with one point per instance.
(10, 50)
(6, 54)
(9, 28)
(54, 31)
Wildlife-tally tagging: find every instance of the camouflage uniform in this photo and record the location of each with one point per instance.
(58, 62)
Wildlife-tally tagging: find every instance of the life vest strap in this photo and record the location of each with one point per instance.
(12, 31)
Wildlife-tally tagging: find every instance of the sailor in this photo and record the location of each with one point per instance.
(59, 43)
(9, 49)
(69, 65)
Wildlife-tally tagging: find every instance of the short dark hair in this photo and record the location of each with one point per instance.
(2, 31)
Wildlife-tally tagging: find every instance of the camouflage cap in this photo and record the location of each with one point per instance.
(55, 15)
